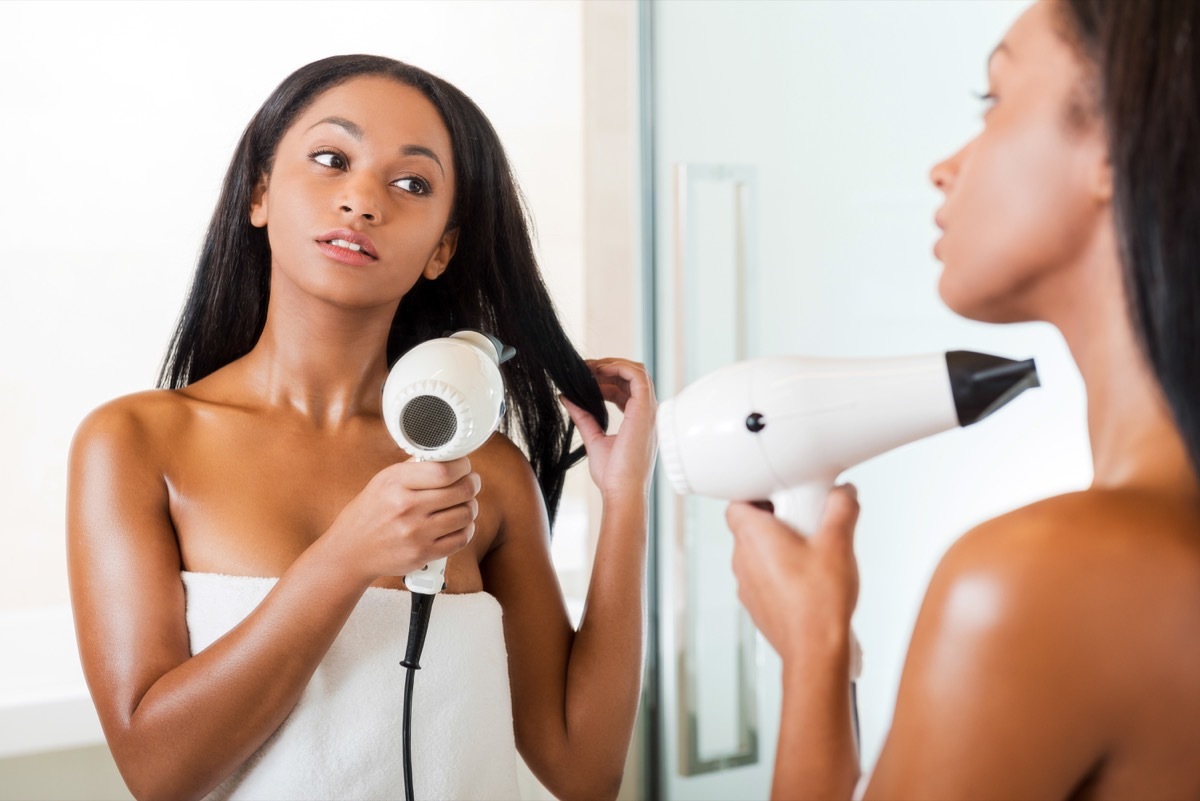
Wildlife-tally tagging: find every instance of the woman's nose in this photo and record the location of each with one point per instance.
(943, 173)
(361, 199)
(940, 175)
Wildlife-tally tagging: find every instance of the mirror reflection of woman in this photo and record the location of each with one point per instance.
(1057, 650)
(236, 537)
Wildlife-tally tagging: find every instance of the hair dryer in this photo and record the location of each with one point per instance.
(441, 400)
(783, 427)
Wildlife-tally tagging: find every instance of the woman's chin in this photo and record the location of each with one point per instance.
(967, 302)
(980, 309)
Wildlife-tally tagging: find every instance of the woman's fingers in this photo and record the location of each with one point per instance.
(428, 475)
(454, 518)
(631, 375)
(589, 429)
(624, 383)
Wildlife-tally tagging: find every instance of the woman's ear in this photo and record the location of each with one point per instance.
(258, 203)
(441, 255)
(1097, 164)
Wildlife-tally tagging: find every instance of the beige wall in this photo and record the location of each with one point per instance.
(78, 774)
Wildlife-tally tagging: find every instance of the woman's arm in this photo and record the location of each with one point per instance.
(575, 694)
(801, 593)
(177, 724)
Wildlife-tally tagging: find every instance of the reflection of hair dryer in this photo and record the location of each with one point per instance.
(442, 400)
(783, 427)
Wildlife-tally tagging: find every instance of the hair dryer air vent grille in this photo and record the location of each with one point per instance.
(429, 422)
(668, 439)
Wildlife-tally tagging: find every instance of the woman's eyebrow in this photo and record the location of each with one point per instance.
(354, 130)
(421, 150)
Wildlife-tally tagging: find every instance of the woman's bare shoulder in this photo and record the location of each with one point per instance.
(139, 420)
(504, 463)
(1112, 529)
(510, 489)
(1055, 635)
(1126, 555)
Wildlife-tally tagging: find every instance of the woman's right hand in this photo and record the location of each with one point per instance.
(409, 514)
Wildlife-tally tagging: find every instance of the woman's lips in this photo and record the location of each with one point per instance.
(346, 255)
(348, 247)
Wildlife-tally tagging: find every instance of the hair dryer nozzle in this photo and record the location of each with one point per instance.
(982, 383)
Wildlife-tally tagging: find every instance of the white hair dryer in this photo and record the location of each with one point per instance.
(784, 427)
(441, 400)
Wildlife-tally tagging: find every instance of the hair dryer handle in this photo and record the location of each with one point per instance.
(801, 508)
(429, 580)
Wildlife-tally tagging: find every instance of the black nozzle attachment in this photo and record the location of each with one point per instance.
(982, 383)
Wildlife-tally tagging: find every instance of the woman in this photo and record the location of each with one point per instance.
(1057, 651)
(236, 538)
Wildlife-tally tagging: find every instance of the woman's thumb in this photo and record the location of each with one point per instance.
(839, 518)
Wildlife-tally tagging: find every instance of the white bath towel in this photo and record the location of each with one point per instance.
(343, 738)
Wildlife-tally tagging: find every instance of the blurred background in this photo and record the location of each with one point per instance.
(700, 172)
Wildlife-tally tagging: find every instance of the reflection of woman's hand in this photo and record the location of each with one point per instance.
(622, 463)
(799, 590)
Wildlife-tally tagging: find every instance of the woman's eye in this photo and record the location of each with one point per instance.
(329, 159)
(988, 99)
(414, 185)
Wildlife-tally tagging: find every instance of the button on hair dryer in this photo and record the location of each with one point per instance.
(784, 427)
(441, 401)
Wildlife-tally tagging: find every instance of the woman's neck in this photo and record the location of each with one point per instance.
(1133, 437)
(323, 362)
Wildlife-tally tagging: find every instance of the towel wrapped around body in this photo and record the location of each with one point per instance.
(343, 738)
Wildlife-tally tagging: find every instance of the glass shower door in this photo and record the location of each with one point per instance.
(792, 141)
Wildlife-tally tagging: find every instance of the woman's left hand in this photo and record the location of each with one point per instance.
(800, 590)
(621, 463)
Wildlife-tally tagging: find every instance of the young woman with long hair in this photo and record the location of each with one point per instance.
(236, 536)
(1057, 651)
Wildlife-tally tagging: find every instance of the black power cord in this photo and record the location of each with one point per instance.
(418, 624)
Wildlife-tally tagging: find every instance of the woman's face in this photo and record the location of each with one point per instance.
(360, 193)
(1024, 197)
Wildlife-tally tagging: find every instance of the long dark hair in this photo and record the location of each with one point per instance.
(492, 284)
(1147, 73)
